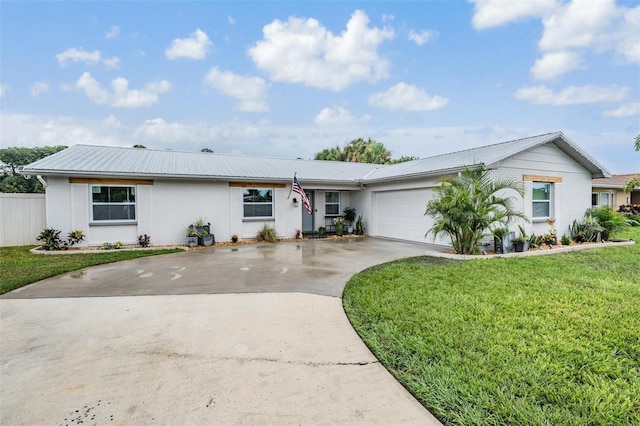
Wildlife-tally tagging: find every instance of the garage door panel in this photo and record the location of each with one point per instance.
(400, 214)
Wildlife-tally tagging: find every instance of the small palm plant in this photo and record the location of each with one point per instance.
(467, 205)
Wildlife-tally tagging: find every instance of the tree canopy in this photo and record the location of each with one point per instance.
(361, 151)
(14, 157)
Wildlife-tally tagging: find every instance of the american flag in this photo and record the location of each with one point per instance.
(298, 188)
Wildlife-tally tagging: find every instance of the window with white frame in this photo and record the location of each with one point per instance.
(332, 203)
(257, 202)
(541, 198)
(113, 203)
(599, 199)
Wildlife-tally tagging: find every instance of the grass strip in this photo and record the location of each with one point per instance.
(19, 267)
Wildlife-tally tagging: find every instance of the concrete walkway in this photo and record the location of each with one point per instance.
(253, 336)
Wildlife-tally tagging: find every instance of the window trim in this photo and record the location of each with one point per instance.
(332, 204)
(549, 201)
(134, 203)
(262, 203)
(599, 195)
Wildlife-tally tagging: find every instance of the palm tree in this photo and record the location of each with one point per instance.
(468, 205)
(637, 144)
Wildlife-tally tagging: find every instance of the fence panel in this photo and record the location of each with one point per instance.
(22, 217)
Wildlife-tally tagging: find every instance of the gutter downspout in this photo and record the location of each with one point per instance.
(42, 181)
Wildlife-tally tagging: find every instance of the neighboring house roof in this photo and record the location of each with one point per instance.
(86, 160)
(615, 181)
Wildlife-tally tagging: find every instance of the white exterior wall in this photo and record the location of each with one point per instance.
(58, 195)
(570, 198)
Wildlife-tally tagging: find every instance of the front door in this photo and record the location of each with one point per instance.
(307, 219)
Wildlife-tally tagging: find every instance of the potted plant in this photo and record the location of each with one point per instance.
(499, 235)
(201, 225)
(339, 223)
(192, 236)
(205, 238)
(322, 232)
(349, 218)
(521, 243)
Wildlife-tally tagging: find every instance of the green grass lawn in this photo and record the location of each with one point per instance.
(549, 340)
(19, 267)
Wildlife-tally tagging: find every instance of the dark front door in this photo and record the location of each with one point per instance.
(307, 219)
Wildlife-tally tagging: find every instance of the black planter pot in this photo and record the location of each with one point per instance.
(521, 246)
(498, 247)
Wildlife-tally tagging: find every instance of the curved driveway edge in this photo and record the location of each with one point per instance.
(277, 351)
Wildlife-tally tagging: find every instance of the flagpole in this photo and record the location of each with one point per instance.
(292, 181)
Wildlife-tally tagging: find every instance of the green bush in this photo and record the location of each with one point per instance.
(611, 221)
(585, 230)
(565, 240)
(360, 226)
(267, 234)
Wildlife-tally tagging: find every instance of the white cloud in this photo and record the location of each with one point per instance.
(3, 90)
(421, 37)
(39, 87)
(629, 109)
(122, 96)
(572, 95)
(195, 46)
(303, 51)
(407, 97)
(250, 91)
(113, 32)
(334, 116)
(493, 13)
(112, 120)
(578, 24)
(112, 62)
(231, 20)
(73, 55)
(555, 64)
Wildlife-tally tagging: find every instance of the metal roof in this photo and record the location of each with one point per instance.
(115, 161)
(489, 155)
(87, 160)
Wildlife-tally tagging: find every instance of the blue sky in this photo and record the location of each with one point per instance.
(289, 78)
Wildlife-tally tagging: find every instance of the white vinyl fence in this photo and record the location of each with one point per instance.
(22, 217)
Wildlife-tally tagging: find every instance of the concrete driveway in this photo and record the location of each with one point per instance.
(251, 335)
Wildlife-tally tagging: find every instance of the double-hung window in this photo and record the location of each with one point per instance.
(258, 202)
(113, 203)
(541, 199)
(332, 203)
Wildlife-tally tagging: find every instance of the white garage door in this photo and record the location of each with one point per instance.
(400, 214)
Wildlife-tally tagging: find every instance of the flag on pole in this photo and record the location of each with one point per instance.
(298, 188)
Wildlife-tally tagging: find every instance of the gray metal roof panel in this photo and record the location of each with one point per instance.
(94, 160)
(103, 160)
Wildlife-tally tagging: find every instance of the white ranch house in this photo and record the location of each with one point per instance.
(115, 194)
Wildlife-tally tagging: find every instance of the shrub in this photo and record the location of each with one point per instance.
(565, 240)
(339, 223)
(611, 221)
(585, 230)
(50, 239)
(144, 240)
(266, 233)
(360, 226)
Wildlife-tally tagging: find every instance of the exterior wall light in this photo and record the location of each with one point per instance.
(295, 202)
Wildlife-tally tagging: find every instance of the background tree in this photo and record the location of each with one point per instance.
(331, 154)
(637, 143)
(361, 151)
(467, 206)
(139, 146)
(14, 157)
(206, 150)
